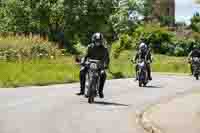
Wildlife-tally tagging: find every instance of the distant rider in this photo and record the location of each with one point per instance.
(194, 53)
(144, 54)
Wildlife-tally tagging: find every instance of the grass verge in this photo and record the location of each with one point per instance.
(123, 68)
(38, 72)
(64, 69)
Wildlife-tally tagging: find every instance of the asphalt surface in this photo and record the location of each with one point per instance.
(56, 109)
(183, 111)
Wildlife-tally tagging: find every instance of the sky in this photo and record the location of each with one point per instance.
(185, 10)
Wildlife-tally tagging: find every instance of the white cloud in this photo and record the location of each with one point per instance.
(185, 10)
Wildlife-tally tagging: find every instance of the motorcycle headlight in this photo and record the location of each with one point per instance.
(141, 64)
(93, 66)
(195, 59)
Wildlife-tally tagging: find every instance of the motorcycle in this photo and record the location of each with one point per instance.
(142, 73)
(92, 80)
(196, 67)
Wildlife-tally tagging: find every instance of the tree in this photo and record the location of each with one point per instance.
(84, 17)
(126, 19)
(69, 21)
(195, 22)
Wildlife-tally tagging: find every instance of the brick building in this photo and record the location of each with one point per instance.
(163, 8)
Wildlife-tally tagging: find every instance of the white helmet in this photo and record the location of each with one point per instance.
(143, 47)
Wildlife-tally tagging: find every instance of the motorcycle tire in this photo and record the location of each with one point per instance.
(91, 99)
(140, 84)
(197, 77)
(145, 84)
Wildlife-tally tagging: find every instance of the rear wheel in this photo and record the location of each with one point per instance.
(140, 83)
(197, 77)
(145, 84)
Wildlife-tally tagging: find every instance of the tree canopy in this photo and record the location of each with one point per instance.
(73, 20)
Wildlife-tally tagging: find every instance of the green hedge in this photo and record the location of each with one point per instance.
(160, 39)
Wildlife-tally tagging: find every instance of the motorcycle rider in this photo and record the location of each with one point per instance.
(144, 54)
(194, 53)
(97, 51)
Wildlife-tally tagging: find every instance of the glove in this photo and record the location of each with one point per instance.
(149, 61)
(132, 60)
(189, 60)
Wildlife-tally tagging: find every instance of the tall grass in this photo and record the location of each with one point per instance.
(21, 41)
(164, 63)
(19, 47)
(34, 61)
(122, 67)
(63, 69)
(38, 72)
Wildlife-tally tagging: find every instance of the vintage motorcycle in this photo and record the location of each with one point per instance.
(92, 79)
(142, 73)
(196, 67)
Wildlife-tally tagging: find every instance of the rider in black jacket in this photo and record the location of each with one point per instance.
(97, 51)
(194, 53)
(145, 54)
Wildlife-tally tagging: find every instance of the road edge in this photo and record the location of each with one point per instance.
(146, 123)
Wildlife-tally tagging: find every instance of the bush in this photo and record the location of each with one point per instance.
(167, 48)
(38, 50)
(184, 46)
(157, 37)
(163, 41)
(125, 42)
(179, 51)
(195, 22)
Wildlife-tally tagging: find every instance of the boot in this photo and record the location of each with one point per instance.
(101, 95)
(149, 75)
(80, 93)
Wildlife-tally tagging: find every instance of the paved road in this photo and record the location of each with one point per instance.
(183, 112)
(56, 109)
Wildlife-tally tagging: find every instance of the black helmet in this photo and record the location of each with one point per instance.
(97, 38)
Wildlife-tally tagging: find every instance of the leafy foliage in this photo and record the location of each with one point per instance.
(160, 39)
(195, 22)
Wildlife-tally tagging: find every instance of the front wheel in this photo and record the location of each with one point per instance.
(87, 85)
(91, 99)
(91, 92)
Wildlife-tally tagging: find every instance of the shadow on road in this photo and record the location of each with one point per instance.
(152, 86)
(111, 104)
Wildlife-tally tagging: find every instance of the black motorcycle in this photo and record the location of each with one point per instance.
(196, 67)
(92, 79)
(142, 73)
